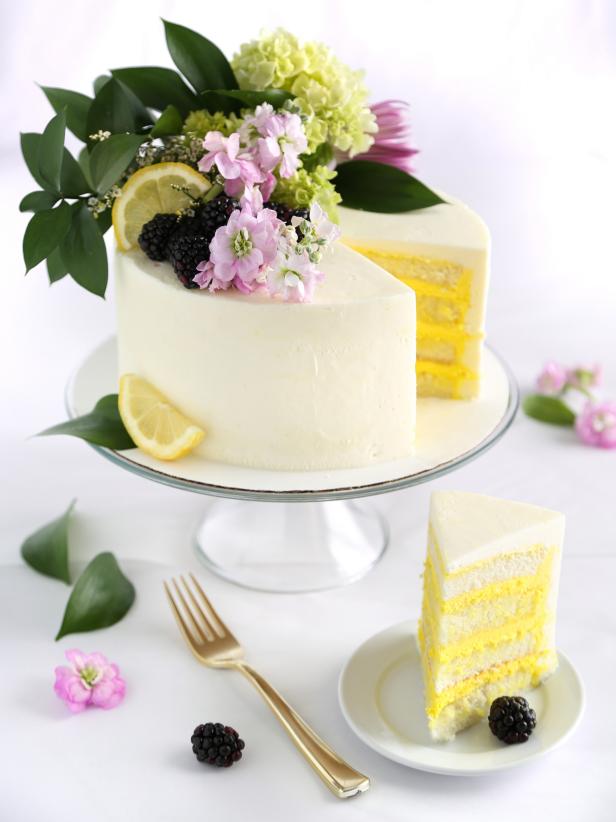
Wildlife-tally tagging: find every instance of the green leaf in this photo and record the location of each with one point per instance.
(100, 82)
(76, 105)
(46, 550)
(548, 409)
(101, 597)
(84, 253)
(55, 266)
(200, 61)
(45, 231)
(30, 149)
(250, 99)
(38, 201)
(116, 109)
(169, 122)
(378, 187)
(109, 159)
(158, 88)
(51, 151)
(83, 159)
(102, 426)
(103, 221)
(73, 182)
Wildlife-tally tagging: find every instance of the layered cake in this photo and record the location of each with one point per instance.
(489, 604)
(442, 253)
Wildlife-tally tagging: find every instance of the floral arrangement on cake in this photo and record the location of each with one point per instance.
(231, 171)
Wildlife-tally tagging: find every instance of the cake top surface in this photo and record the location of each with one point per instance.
(349, 278)
(450, 224)
(471, 527)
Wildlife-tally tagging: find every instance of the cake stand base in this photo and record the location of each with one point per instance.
(290, 548)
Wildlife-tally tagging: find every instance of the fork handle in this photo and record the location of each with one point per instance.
(340, 778)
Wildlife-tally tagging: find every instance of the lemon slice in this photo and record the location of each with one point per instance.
(155, 425)
(150, 191)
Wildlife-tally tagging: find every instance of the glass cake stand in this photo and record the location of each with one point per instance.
(255, 534)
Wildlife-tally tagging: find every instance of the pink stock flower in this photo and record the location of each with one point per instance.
(282, 141)
(239, 169)
(241, 250)
(91, 680)
(596, 424)
(293, 277)
(391, 144)
(552, 378)
(585, 378)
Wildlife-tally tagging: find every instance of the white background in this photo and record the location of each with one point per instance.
(513, 110)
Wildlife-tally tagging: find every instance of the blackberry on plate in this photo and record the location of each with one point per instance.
(217, 744)
(512, 719)
(155, 235)
(286, 212)
(185, 252)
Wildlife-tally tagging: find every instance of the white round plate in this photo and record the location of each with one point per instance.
(449, 434)
(381, 696)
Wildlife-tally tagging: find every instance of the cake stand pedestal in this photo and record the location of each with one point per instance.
(332, 538)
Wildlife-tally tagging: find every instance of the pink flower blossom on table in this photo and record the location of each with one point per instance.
(584, 377)
(90, 680)
(239, 168)
(552, 378)
(392, 141)
(241, 251)
(596, 424)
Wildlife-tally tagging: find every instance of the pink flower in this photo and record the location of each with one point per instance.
(596, 424)
(293, 277)
(585, 378)
(91, 680)
(239, 169)
(282, 141)
(242, 249)
(391, 145)
(552, 379)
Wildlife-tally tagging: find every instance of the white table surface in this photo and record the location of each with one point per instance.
(544, 183)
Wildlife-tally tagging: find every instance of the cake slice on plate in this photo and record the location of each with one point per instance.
(489, 604)
(442, 253)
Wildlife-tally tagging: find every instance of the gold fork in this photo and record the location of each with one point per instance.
(214, 645)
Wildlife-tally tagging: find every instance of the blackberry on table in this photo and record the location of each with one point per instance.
(217, 744)
(512, 719)
(155, 235)
(185, 252)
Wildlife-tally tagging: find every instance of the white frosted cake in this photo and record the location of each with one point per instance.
(278, 385)
(442, 253)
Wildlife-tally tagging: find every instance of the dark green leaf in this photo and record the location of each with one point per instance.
(101, 597)
(84, 253)
(116, 109)
(100, 82)
(55, 266)
(103, 221)
(169, 122)
(38, 201)
(109, 159)
(322, 156)
(46, 550)
(72, 179)
(30, 150)
(45, 231)
(548, 409)
(200, 61)
(377, 187)
(214, 101)
(84, 164)
(250, 99)
(51, 151)
(76, 105)
(158, 88)
(102, 426)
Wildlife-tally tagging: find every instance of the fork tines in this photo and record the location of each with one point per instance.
(198, 621)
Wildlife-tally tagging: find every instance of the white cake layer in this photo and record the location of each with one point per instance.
(451, 231)
(470, 528)
(320, 385)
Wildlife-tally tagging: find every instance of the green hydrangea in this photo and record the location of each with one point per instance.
(198, 123)
(332, 96)
(306, 187)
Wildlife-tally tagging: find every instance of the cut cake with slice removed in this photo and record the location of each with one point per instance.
(442, 253)
(489, 604)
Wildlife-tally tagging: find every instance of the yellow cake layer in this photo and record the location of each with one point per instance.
(448, 345)
(435, 379)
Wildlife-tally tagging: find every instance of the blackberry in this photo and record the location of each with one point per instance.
(185, 251)
(155, 235)
(512, 719)
(212, 215)
(286, 212)
(217, 744)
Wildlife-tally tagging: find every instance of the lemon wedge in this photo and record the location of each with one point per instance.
(153, 190)
(156, 427)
